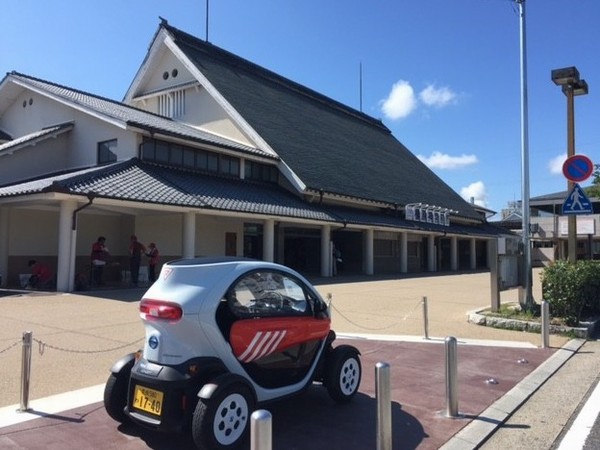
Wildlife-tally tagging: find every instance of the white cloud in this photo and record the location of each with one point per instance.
(400, 102)
(437, 97)
(476, 191)
(555, 164)
(439, 160)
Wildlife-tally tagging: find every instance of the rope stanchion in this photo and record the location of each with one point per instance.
(387, 327)
(43, 345)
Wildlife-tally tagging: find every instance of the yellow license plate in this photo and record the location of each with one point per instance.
(148, 400)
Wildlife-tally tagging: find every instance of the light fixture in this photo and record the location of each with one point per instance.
(564, 76)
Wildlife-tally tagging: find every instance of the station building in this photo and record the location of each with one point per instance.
(210, 154)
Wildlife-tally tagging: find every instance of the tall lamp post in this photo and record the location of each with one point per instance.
(571, 85)
(525, 294)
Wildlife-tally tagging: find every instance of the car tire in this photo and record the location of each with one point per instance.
(115, 395)
(222, 421)
(343, 372)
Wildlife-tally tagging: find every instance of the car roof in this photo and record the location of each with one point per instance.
(210, 260)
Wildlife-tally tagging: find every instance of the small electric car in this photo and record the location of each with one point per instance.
(224, 335)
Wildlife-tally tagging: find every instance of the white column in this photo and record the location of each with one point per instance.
(404, 252)
(269, 240)
(369, 258)
(325, 251)
(453, 253)
(3, 246)
(189, 235)
(473, 254)
(431, 253)
(66, 258)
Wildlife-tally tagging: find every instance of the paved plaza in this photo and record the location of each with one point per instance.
(78, 337)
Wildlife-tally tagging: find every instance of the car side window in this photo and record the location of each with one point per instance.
(267, 294)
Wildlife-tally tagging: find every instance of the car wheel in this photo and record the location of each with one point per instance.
(115, 395)
(222, 421)
(343, 373)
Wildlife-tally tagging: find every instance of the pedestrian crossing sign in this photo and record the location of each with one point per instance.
(577, 202)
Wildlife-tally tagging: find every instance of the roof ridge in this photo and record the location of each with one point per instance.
(243, 63)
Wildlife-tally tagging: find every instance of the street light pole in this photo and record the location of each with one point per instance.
(568, 79)
(526, 296)
(572, 219)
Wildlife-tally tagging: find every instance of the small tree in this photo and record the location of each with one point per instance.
(594, 189)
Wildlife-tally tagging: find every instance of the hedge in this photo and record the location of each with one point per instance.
(572, 289)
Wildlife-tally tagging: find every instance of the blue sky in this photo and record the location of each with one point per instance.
(443, 75)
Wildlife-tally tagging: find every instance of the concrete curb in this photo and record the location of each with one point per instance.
(477, 431)
(477, 318)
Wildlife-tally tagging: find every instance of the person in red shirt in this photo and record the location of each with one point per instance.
(99, 257)
(136, 249)
(153, 254)
(41, 275)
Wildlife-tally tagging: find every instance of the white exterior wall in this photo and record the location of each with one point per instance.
(48, 156)
(201, 110)
(167, 63)
(210, 235)
(163, 230)
(73, 149)
(33, 233)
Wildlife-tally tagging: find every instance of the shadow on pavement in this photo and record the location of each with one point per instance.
(311, 420)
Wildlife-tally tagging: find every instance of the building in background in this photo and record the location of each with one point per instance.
(210, 154)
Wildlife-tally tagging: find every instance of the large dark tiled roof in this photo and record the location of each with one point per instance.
(330, 146)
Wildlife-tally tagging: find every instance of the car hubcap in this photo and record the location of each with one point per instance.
(349, 376)
(230, 419)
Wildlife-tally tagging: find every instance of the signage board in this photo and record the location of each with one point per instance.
(578, 168)
(577, 202)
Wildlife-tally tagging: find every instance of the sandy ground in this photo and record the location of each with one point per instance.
(77, 338)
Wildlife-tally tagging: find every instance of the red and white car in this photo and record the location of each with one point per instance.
(224, 335)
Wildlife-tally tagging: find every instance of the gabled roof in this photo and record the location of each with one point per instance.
(139, 181)
(329, 146)
(125, 115)
(35, 137)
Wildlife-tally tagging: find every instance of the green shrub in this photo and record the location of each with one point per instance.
(572, 289)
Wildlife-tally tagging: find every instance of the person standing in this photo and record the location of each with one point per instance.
(153, 254)
(136, 249)
(99, 257)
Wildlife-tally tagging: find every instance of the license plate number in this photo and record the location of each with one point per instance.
(148, 400)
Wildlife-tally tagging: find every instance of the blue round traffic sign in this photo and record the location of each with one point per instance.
(578, 168)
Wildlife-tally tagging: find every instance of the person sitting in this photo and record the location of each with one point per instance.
(41, 275)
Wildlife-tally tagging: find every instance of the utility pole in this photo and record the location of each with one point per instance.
(526, 296)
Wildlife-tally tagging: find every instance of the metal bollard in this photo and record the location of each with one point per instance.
(25, 371)
(260, 430)
(451, 377)
(425, 318)
(384, 406)
(545, 324)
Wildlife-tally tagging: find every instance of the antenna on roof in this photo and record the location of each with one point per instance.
(207, 2)
(360, 85)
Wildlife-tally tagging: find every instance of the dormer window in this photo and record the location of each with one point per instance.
(172, 104)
